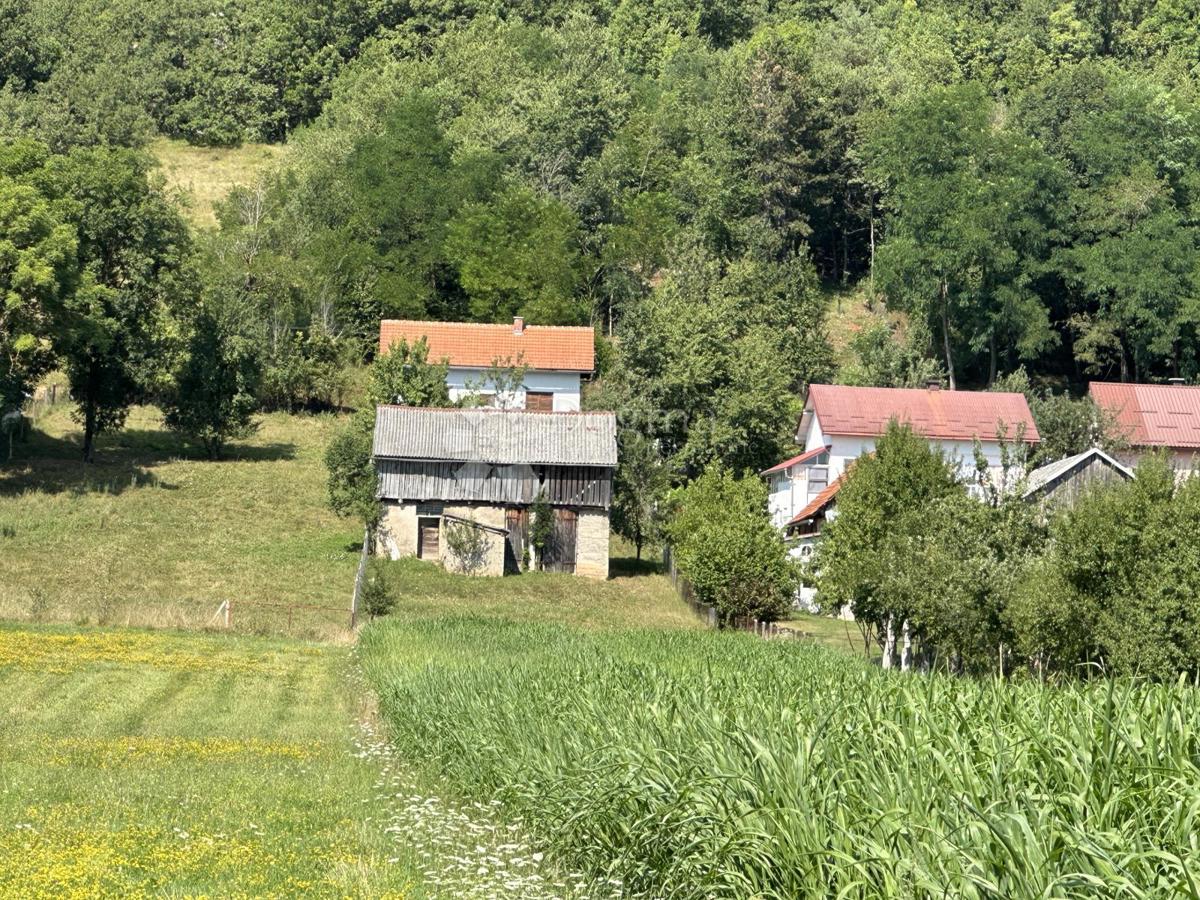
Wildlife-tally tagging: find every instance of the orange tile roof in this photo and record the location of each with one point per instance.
(478, 345)
(788, 463)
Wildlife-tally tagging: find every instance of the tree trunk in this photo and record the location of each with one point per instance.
(871, 215)
(991, 359)
(89, 431)
(637, 542)
(889, 642)
(906, 649)
(946, 334)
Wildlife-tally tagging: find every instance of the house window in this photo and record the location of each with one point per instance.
(539, 401)
(818, 478)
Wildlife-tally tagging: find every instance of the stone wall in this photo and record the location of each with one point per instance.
(591, 544)
(398, 533)
(398, 537)
(484, 515)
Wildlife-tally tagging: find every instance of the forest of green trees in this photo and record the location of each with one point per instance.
(1016, 183)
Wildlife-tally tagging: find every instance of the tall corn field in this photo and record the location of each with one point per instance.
(699, 764)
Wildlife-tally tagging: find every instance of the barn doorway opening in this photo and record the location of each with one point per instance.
(428, 537)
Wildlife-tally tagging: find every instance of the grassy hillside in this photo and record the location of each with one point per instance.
(152, 534)
(205, 175)
(140, 764)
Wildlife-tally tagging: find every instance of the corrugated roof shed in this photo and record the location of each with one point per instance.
(1152, 415)
(478, 345)
(937, 414)
(1044, 475)
(502, 437)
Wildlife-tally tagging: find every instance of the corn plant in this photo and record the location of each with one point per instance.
(700, 764)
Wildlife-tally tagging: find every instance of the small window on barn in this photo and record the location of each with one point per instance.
(430, 509)
(539, 401)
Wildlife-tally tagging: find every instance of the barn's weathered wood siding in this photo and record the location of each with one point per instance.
(519, 485)
(1067, 488)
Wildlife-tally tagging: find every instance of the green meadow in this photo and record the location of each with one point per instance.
(150, 764)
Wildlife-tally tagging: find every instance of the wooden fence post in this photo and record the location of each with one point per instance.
(359, 576)
(228, 612)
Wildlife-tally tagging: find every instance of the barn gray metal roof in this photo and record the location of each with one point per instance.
(503, 437)
(1044, 475)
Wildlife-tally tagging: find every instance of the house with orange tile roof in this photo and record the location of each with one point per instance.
(555, 359)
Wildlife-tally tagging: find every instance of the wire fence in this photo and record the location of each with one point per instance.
(708, 613)
(268, 617)
(44, 397)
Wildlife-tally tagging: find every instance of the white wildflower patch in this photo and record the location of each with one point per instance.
(466, 850)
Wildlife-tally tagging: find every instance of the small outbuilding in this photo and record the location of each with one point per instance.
(443, 471)
(1060, 483)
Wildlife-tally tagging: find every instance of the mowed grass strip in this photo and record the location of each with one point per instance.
(150, 764)
(153, 534)
(697, 764)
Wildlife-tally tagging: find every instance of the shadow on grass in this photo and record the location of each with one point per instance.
(630, 567)
(124, 460)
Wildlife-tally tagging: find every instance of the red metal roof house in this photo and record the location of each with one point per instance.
(841, 423)
(1153, 417)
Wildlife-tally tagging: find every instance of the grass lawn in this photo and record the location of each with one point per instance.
(153, 534)
(138, 764)
(836, 633)
(631, 598)
(205, 175)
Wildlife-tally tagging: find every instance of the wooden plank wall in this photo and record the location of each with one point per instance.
(589, 486)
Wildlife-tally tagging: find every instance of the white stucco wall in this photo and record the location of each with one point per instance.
(1186, 463)
(563, 385)
(787, 496)
(789, 491)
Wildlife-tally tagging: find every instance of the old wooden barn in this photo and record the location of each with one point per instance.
(484, 469)
(1061, 483)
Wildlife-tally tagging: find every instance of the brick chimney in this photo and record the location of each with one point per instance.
(1177, 382)
(518, 325)
(933, 384)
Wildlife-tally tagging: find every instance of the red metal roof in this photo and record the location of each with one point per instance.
(819, 502)
(478, 345)
(795, 460)
(1152, 415)
(937, 414)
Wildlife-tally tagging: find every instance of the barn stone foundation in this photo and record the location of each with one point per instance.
(399, 530)
(591, 545)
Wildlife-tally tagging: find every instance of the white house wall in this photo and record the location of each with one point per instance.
(563, 385)
(844, 449)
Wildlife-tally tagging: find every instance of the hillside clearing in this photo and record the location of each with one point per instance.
(205, 175)
(142, 764)
(153, 534)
